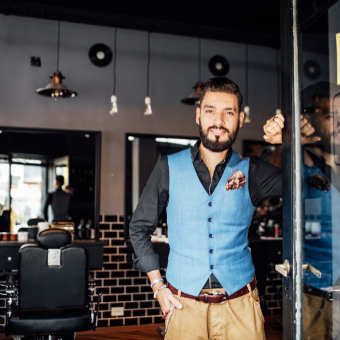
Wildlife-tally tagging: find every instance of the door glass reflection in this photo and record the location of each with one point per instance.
(320, 136)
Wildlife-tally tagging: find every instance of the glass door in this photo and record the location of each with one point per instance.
(310, 50)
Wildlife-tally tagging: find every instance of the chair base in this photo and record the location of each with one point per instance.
(63, 336)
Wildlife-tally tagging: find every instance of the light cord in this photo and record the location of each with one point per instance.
(278, 78)
(148, 68)
(247, 75)
(58, 46)
(199, 59)
(114, 62)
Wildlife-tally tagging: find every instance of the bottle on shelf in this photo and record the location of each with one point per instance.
(88, 229)
(80, 229)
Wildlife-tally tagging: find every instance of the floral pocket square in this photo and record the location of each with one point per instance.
(236, 181)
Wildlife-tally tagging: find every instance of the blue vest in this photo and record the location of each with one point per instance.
(322, 251)
(207, 238)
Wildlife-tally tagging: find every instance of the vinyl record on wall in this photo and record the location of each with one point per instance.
(218, 65)
(100, 55)
(311, 69)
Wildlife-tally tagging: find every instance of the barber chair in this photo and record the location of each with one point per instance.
(54, 296)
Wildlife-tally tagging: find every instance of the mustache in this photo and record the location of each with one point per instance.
(218, 128)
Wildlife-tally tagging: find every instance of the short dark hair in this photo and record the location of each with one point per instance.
(60, 180)
(222, 84)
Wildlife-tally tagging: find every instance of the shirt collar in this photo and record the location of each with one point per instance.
(195, 153)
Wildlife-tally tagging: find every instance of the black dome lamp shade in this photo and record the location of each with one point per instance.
(194, 97)
(57, 89)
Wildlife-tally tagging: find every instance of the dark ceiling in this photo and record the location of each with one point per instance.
(247, 21)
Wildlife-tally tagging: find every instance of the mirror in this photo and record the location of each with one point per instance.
(141, 154)
(31, 160)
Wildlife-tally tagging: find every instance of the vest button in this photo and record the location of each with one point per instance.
(212, 266)
(211, 235)
(211, 251)
(210, 204)
(210, 219)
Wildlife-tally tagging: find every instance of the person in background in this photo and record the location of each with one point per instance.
(59, 201)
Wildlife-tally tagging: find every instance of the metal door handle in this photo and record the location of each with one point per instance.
(283, 268)
(312, 270)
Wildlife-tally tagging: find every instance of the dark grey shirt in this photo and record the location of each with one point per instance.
(265, 180)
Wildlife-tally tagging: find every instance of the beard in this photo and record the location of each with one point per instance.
(216, 145)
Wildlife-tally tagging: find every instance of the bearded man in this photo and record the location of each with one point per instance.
(210, 193)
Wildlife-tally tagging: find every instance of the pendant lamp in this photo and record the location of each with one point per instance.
(114, 107)
(194, 97)
(247, 108)
(148, 109)
(57, 89)
(278, 110)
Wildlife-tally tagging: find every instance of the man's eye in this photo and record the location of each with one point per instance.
(229, 113)
(209, 111)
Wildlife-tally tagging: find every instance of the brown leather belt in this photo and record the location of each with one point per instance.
(217, 297)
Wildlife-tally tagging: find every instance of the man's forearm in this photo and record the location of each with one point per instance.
(154, 275)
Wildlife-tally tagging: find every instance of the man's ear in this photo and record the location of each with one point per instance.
(198, 113)
(241, 118)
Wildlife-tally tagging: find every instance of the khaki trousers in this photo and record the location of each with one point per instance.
(237, 319)
(321, 318)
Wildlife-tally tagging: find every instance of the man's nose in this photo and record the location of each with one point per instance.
(219, 119)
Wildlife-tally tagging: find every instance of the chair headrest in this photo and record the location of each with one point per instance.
(54, 238)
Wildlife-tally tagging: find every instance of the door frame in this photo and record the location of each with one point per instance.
(291, 171)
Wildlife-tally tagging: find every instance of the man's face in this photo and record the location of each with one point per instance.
(326, 122)
(219, 120)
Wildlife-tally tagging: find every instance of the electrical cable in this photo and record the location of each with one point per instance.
(58, 46)
(278, 78)
(148, 69)
(246, 75)
(199, 59)
(114, 62)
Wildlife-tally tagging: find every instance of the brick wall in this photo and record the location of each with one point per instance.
(272, 299)
(121, 285)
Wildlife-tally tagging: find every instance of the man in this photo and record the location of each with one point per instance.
(210, 193)
(321, 187)
(60, 202)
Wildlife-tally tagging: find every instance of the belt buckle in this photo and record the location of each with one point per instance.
(217, 292)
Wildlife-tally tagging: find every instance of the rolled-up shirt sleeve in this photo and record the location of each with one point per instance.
(145, 218)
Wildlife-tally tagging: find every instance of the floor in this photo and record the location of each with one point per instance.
(149, 332)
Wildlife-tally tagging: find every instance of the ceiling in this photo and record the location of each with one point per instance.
(246, 21)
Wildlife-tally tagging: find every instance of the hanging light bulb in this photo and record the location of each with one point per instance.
(56, 89)
(148, 110)
(114, 107)
(247, 108)
(247, 113)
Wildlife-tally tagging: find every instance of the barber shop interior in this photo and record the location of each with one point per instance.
(170, 170)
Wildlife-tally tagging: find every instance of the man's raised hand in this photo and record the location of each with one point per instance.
(274, 126)
(273, 129)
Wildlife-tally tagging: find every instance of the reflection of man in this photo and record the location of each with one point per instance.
(59, 201)
(210, 193)
(322, 219)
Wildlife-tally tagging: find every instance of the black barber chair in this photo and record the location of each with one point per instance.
(52, 298)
